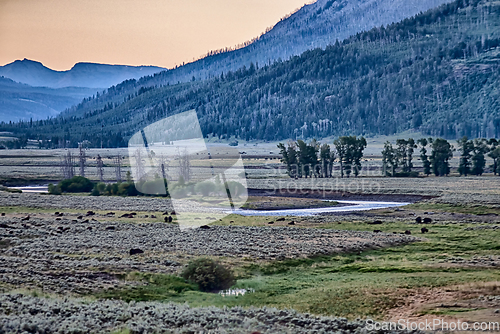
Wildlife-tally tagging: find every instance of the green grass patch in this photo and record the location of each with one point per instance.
(479, 210)
(363, 284)
(152, 287)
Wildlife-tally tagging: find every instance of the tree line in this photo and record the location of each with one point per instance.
(473, 155)
(315, 160)
(401, 156)
(397, 161)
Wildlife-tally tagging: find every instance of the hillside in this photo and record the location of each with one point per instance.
(88, 75)
(24, 102)
(313, 26)
(436, 73)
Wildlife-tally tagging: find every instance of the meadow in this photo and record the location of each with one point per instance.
(451, 271)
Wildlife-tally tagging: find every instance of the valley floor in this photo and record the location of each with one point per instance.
(66, 263)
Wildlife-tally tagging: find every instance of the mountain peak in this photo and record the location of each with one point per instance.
(27, 62)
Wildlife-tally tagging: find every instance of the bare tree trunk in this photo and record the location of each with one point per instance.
(100, 168)
(184, 165)
(82, 160)
(118, 168)
(67, 167)
(139, 167)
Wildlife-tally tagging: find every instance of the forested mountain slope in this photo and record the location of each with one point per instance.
(313, 26)
(437, 73)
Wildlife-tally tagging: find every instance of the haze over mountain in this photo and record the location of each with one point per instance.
(23, 102)
(29, 90)
(88, 75)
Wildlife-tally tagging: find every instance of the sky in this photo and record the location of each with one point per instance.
(60, 33)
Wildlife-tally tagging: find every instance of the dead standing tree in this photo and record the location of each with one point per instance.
(100, 168)
(162, 163)
(139, 165)
(184, 165)
(118, 168)
(67, 166)
(82, 159)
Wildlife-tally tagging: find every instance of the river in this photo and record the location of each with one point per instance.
(346, 207)
(349, 206)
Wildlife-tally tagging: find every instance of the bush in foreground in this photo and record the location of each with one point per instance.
(210, 275)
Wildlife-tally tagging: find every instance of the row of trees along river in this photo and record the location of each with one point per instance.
(315, 159)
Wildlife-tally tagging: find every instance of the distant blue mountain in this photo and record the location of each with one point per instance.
(23, 102)
(88, 75)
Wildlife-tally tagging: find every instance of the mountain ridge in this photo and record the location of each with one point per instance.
(82, 74)
(299, 32)
(219, 63)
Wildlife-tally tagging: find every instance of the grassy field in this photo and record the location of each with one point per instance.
(260, 159)
(370, 284)
(447, 273)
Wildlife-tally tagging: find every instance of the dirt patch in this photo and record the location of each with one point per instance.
(467, 303)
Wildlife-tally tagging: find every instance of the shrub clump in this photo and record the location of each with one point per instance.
(54, 189)
(210, 275)
(114, 189)
(77, 184)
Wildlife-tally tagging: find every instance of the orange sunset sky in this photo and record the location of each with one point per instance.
(60, 33)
